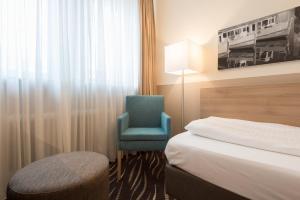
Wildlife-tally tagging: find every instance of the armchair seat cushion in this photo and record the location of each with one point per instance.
(143, 134)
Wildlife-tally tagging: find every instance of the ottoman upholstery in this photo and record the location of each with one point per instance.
(74, 176)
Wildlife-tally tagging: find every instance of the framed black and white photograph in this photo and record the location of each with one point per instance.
(270, 39)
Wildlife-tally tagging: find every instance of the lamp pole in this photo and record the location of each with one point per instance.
(182, 99)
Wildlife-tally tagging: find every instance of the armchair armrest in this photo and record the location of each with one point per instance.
(166, 123)
(123, 122)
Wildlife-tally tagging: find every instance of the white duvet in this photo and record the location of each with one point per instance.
(250, 172)
(267, 136)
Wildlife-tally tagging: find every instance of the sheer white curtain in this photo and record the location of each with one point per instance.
(65, 67)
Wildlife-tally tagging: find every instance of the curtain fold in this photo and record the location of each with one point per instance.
(65, 68)
(148, 48)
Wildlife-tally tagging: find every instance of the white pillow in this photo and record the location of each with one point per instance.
(267, 136)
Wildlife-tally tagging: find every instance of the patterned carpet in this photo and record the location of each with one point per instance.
(142, 178)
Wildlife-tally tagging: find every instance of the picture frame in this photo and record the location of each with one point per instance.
(271, 39)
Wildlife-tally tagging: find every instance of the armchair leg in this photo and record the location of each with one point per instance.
(119, 164)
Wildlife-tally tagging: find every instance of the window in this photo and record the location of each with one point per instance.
(253, 27)
(265, 22)
(83, 47)
(237, 31)
(224, 35)
(259, 25)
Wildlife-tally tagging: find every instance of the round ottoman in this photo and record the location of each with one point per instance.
(69, 176)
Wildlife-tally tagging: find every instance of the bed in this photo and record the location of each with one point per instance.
(200, 167)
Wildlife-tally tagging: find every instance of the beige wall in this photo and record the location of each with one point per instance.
(172, 94)
(199, 21)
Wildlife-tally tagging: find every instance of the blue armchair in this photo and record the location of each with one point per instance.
(144, 126)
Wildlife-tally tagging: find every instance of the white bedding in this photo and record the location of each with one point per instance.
(253, 173)
(267, 136)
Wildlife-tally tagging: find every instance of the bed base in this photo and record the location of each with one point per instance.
(184, 186)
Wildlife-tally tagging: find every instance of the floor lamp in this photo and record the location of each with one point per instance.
(182, 58)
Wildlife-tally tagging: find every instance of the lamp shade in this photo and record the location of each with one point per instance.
(182, 57)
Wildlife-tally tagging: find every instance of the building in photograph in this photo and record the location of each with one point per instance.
(275, 38)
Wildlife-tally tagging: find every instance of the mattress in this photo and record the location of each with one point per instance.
(249, 172)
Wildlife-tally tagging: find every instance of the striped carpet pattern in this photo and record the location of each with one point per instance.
(142, 178)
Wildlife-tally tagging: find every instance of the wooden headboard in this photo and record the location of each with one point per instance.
(278, 103)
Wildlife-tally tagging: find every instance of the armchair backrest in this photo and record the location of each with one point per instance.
(144, 111)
